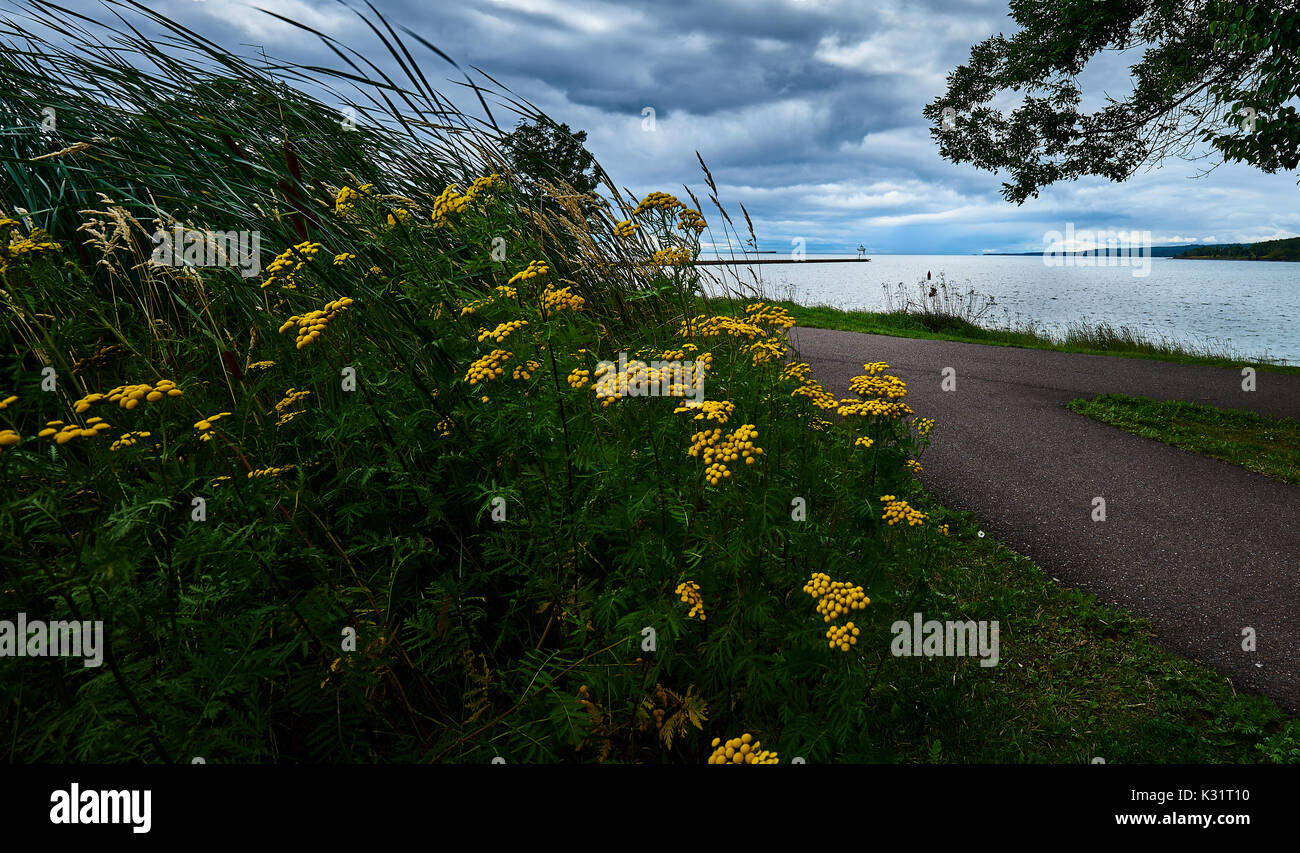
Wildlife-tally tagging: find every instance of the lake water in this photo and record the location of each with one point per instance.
(1247, 307)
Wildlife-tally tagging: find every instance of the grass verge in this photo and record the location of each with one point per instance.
(1077, 680)
(1259, 443)
(1102, 339)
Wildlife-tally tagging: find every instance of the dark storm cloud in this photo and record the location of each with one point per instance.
(808, 111)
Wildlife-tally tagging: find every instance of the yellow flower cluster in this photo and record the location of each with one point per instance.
(67, 432)
(612, 385)
(741, 750)
(533, 270)
(689, 592)
(343, 257)
(835, 598)
(482, 185)
(261, 365)
(444, 427)
(8, 438)
(525, 371)
(130, 396)
(886, 387)
(501, 332)
(449, 201)
(689, 219)
(863, 441)
(501, 291)
(875, 368)
(399, 214)
(579, 378)
(38, 243)
(913, 466)
(4, 404)
(694, 377)
(799, 371)
(291, 399)
(843, 636)
(943, 528)
(488, 367)
(312, 324)
(774, 316)
(707, 327)
(717, 450)
(128, 440)
(923, 426)
(660, 201)
(709, 410)
(672, 256)
(817, 393)
(767, 351)
(626, 228)
(270, 472)
(206, 424)
(346, 198)
(289, 262)
(871, 408)
(802, 373)
(558, 300)
(896, 511)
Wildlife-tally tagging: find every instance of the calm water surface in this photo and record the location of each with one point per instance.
(1248, 307)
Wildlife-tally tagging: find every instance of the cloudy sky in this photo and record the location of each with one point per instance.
(807, 111)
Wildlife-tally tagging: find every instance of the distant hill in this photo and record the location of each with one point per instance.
(1177, 251)
(1268, 250)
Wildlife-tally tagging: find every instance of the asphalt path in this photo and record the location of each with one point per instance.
(1200, 547)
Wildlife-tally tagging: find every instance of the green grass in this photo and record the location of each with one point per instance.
(1101, 339)
(1076, 679)
(1259, 443)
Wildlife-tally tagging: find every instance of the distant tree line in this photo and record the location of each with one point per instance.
(1267, 250)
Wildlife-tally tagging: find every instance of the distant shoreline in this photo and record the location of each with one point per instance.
(1222, 258)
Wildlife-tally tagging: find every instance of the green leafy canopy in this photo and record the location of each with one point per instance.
(1214, 72)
